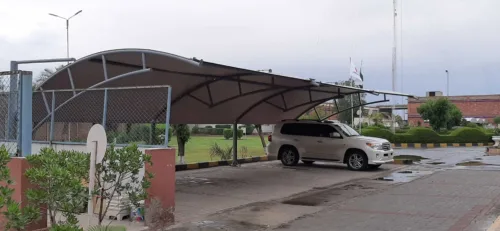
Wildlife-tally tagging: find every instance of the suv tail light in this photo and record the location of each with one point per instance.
(270, 138)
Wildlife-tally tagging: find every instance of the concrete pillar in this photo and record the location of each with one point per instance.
(18, 166)
(163, 184)
(235, 144)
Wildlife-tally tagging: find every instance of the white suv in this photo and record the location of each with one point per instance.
(311, 141)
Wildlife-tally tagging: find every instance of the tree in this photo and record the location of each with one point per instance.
(441, 113)
(377, 118)
(17, 218)
(45, 74)
(398, 120)
(345, 103)
(258, 127)
(183, 134)
(455, 117)
(58, 177)
(118, 174)
(496, 120)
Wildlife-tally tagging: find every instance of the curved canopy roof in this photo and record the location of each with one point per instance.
(202, 92)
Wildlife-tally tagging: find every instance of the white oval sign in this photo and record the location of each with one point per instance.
(97, 142)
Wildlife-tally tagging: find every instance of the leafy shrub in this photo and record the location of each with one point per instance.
(68, 227)
(58, 177)
(228, 133)
(243, 152)
(103, 228)
(223, 126)
(217, 131)
(140, 134)
(496, 120)
(468, 135)
(377, 132)
(157, 217)
(222, 153)
(418, 135)
(195, 129)
(471, 125)
(426, 135)
(249, 128)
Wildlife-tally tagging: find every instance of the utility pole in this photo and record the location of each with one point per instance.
(447, 83)
(394, 64)
(67, 29)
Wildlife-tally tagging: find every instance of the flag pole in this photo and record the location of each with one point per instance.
(352, 84)
(361, 107)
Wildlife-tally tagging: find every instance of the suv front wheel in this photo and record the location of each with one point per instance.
(357, 160)
(289, 156)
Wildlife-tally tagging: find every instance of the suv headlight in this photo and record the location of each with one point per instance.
(376, 146)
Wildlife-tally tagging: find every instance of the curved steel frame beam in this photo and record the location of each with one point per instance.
(109, 52)
(270, 97)
(314, 101)
(314, 105)
(360, 105)
(84, 91)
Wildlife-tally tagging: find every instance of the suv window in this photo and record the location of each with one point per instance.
(299, 129)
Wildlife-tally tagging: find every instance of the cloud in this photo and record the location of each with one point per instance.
(310, 39)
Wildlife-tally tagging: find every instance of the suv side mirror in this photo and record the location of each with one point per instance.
(335, 135)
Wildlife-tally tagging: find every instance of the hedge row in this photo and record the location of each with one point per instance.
(426, 135)
(208, 131)
(228, 133)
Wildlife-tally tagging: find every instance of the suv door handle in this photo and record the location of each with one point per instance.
(296, 140)
(319, 141)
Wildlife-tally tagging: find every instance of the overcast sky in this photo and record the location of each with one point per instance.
(308, 39)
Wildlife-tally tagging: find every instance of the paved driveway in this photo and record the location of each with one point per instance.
(204, 192)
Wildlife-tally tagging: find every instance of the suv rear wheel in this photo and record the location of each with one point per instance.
(289, 156)
(357, 160)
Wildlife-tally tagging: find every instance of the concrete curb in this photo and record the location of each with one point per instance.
(439, 145)
(200, 165)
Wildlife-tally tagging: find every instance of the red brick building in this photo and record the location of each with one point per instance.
(472, 106)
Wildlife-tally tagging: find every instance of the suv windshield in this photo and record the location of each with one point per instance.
(348, 131)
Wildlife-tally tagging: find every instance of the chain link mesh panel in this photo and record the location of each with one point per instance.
(9, 110)
(129, 115)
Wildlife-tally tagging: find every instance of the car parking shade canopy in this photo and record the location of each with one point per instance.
(202, 92)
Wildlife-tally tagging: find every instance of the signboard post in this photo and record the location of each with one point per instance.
(96, 146)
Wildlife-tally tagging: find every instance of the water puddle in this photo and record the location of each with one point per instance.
(472, 163)
(410, 157)
(404, 176)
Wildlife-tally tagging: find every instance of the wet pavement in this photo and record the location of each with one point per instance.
(433, 194)
(450, 157)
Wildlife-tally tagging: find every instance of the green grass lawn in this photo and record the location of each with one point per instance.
(197, 149)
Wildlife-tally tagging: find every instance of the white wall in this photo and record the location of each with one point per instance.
(37, 146)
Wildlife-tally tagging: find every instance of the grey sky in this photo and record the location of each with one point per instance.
(309, 39)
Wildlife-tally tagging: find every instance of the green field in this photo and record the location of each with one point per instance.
(197, 149)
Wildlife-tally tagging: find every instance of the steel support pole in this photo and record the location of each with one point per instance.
(235, 144)
(26, 114)
(105, 108)
(51, 137)
(13, 105)
(167, 114)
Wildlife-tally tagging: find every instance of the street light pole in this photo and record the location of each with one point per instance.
(447, 83)
(67, 29)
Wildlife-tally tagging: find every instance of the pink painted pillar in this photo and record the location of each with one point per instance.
(18, 166)
(163, 183)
